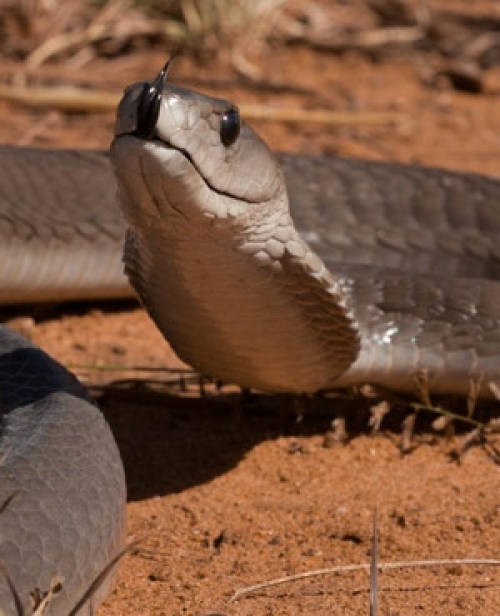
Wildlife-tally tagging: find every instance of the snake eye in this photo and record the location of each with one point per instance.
(230, 127)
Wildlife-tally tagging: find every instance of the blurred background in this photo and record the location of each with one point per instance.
(406, 80)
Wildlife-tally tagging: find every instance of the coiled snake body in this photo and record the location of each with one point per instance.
(240, 293)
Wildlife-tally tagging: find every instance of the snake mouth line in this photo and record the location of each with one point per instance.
(186, 154)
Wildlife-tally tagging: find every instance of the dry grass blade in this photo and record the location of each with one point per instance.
(417, 406)
(475, 437)
(43, 605)
(3, 569)
(95, 585)
(7, 501)
(242, 26)
(493, 452)
(64, 98)
(39, 30)
(70, 98)
(70, 40)
(242, 592)
(377, 414)
(407, 431)
(41, 600)
(15, 595)
(369, 40)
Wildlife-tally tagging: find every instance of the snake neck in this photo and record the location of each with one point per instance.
(259, 310)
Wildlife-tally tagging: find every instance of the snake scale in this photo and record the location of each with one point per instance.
(368, 273)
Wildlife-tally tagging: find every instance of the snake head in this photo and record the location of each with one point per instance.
(147, 99)
(178, 152)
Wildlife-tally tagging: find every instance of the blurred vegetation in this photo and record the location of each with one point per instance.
(114, 26)
(457, 41)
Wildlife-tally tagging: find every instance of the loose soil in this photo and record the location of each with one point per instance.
(224, 494)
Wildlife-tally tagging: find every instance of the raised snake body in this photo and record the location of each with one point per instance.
(214, 254)
(219, 264)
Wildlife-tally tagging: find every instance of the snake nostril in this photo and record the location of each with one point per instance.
(148, 110)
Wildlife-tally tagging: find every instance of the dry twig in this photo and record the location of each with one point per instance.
(71, 98)
(242, 592)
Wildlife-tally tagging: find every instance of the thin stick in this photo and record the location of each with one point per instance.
(13, 591)
(71, 98)
(363, 567)
(55, 588)
(64, 98)
(438, 410)
(98, 581)
(98, 32)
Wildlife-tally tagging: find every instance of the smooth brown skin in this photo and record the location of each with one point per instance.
(287, 513)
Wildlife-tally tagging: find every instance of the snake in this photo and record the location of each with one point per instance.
(283, 273)
(215, 254)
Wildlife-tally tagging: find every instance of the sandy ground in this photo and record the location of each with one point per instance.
(223, 495)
